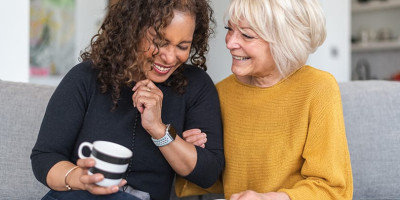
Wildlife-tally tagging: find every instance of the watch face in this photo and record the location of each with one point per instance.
(170, 135)
(172, 132)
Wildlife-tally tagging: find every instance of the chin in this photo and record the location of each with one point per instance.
(158, 79)
(236, 71)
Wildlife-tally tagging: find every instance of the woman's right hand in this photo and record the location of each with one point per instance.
(87, 182)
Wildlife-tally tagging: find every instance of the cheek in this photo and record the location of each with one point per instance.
(183, 56)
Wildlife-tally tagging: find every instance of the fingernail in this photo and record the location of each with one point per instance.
(99, 177)
(115, 189)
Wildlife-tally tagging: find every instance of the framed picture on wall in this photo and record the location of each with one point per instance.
(52, 37)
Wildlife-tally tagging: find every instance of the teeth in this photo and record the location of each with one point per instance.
(240, 58)
(162, 69)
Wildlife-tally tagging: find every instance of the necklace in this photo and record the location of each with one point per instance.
(132, 146)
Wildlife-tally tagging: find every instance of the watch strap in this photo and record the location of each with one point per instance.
(169, 136)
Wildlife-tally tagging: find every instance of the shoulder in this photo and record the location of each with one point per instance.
(226, 83)
(196, 76)
(82, 72)
(317, 79)
(200, 85)
(195, 73)
(319, 86)
(82, 69)
(81, 77)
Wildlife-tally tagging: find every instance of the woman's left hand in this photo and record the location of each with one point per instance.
(147, 98)
(252, 195)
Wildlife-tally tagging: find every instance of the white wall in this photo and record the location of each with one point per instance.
(334, 55)
(14, 40)
(14, 36)
(338, 27)
(219, 59)
(89, 16)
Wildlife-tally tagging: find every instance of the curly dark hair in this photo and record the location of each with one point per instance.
(114, 50)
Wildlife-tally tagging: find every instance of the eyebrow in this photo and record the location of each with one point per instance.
(183, 42)
(245, 27)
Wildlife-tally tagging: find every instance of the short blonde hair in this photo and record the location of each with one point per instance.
(293, 28)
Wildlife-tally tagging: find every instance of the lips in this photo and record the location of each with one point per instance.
(162, 69)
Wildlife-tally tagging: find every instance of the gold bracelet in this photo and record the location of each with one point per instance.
(66, 175)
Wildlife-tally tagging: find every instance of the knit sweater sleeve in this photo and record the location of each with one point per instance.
(203, 112)
(327, 168)
(62, 121)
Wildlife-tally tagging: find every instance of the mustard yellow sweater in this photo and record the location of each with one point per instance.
(289, 137)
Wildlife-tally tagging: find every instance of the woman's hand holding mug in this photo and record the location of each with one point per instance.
(103, 171)
(89, 181)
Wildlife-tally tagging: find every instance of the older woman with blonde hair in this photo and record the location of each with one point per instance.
(284, 134)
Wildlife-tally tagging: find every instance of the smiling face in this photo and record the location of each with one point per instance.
(251, 55)
(173, 52)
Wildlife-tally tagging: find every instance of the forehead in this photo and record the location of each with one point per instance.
(182, 24)
(241, 25)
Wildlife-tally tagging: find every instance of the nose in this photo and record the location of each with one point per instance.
(168, 54)
(232, 41)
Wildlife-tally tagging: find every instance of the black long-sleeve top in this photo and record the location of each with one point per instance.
(78, 112)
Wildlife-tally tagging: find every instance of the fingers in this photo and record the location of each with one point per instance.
(86, 163)
(98, 190)
(235, 196)
(148, 86)
(141, 83)
(200, 137)
(144, 91)
(195, 136)
(191, 132)
(89, 181)
(122, 183)
(249, 195)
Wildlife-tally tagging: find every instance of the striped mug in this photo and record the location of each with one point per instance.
(111, 159)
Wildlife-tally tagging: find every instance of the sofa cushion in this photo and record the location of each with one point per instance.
(22, 108)
(372, 118)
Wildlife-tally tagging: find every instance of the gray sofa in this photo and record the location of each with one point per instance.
(371, 112)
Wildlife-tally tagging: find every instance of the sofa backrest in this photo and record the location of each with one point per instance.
(22, 108)
(371, 112)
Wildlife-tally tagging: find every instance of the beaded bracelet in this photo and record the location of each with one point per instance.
(66, 175)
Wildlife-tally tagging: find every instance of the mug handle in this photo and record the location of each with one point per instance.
(84, 144)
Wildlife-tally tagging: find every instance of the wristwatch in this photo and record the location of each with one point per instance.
(170, 135)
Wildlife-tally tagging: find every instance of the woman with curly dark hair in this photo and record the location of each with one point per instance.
(135, 88)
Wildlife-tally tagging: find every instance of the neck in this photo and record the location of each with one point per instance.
(261, 81)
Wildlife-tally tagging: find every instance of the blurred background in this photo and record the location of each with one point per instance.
(40, 40)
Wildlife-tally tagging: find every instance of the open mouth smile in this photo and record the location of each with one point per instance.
(240, 58)
(161, 68)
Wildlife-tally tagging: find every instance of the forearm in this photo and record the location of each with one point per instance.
(56, 176)
(181, 156)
